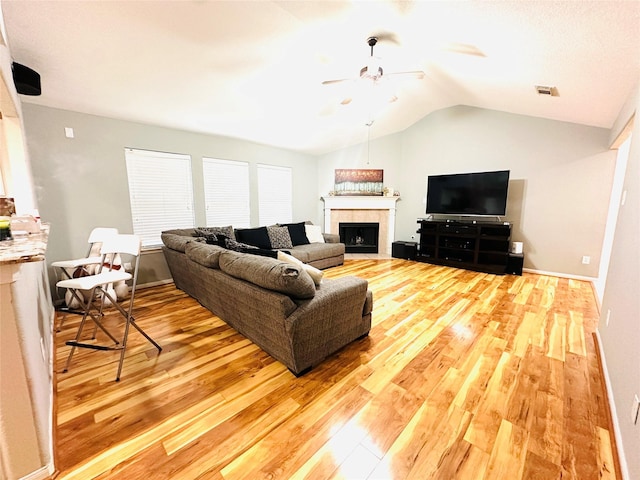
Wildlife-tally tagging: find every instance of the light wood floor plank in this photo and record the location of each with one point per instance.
(464, 376)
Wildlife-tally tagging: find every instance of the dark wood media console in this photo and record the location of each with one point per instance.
(482, 247)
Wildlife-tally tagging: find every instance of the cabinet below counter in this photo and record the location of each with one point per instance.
(27, 382)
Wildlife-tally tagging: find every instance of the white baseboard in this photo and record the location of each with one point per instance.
(612, 405)
(41, 474)
(558, 274)
(155, 284)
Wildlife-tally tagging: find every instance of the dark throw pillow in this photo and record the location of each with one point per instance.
(258, 237)
(217, 231)
(210, 237)
(237, 246)
(261, 251)
(297, 233)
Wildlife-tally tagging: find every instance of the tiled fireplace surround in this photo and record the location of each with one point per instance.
(362, 208)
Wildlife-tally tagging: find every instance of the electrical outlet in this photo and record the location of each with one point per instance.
(586, 260)
(635, 410)
(608, 317)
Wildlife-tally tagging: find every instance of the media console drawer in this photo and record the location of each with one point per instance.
(458, 229)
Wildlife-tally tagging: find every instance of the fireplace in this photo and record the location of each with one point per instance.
(359, 237)
(362, 208)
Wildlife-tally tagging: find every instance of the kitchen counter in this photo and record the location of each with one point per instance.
(24, 248)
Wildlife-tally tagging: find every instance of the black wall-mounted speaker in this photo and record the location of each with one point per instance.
(27, 81)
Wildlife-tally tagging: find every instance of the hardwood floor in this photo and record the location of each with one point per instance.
(464, 376)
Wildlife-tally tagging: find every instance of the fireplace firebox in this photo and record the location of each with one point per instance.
(359, 237)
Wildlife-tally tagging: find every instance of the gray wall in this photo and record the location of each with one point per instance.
(559, 193)
(81, 182)
(621, 338)
(561, 177)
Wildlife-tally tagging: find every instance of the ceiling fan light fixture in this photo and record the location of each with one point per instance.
(364, 72)
(373, 87)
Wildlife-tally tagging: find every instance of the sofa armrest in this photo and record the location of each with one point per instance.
(331, 238)
(336, 316)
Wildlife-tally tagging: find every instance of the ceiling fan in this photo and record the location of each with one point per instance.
(373, 70)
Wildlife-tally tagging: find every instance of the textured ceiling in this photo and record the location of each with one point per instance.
(254, 70)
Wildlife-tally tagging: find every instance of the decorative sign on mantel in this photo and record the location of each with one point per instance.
(358, 182)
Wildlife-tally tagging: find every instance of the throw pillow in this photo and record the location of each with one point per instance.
(245, 248)
(297, 233)
(314, 233)
(226, 231)
(209, 237)
(315, 274)
(268, 273)
(258, 237)
(261, 251)
(279, 237)
(238, 246)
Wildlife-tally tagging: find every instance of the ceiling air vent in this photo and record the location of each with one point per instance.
(550, 91)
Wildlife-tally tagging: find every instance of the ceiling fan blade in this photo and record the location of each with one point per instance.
(419, 74)
(340, 80)
(465, 49)
(386, 37)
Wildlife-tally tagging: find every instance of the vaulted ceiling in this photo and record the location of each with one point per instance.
(254, 69)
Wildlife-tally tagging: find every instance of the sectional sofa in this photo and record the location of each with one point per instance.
(292, 314)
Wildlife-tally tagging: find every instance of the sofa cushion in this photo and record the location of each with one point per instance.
(297, 233)
(178, 242)
(315, 273)
(204, 254)
(314, 233)
(268, 273)
(317, 251)
(279, 237)
(258, 237)
(189, 232)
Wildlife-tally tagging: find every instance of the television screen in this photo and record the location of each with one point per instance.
(483, 193)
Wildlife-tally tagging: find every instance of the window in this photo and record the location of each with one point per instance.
(161, 193)
(226, 192)
(274, 194)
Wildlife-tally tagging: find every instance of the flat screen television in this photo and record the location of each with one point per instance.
(481, 193)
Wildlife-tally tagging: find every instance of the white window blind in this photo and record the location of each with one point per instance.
(161, 193)
(226, 192)
(275, 197)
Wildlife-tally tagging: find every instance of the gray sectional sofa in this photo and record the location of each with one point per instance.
(275, 304)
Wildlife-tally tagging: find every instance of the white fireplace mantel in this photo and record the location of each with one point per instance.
(360, 202)
(364, 202)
